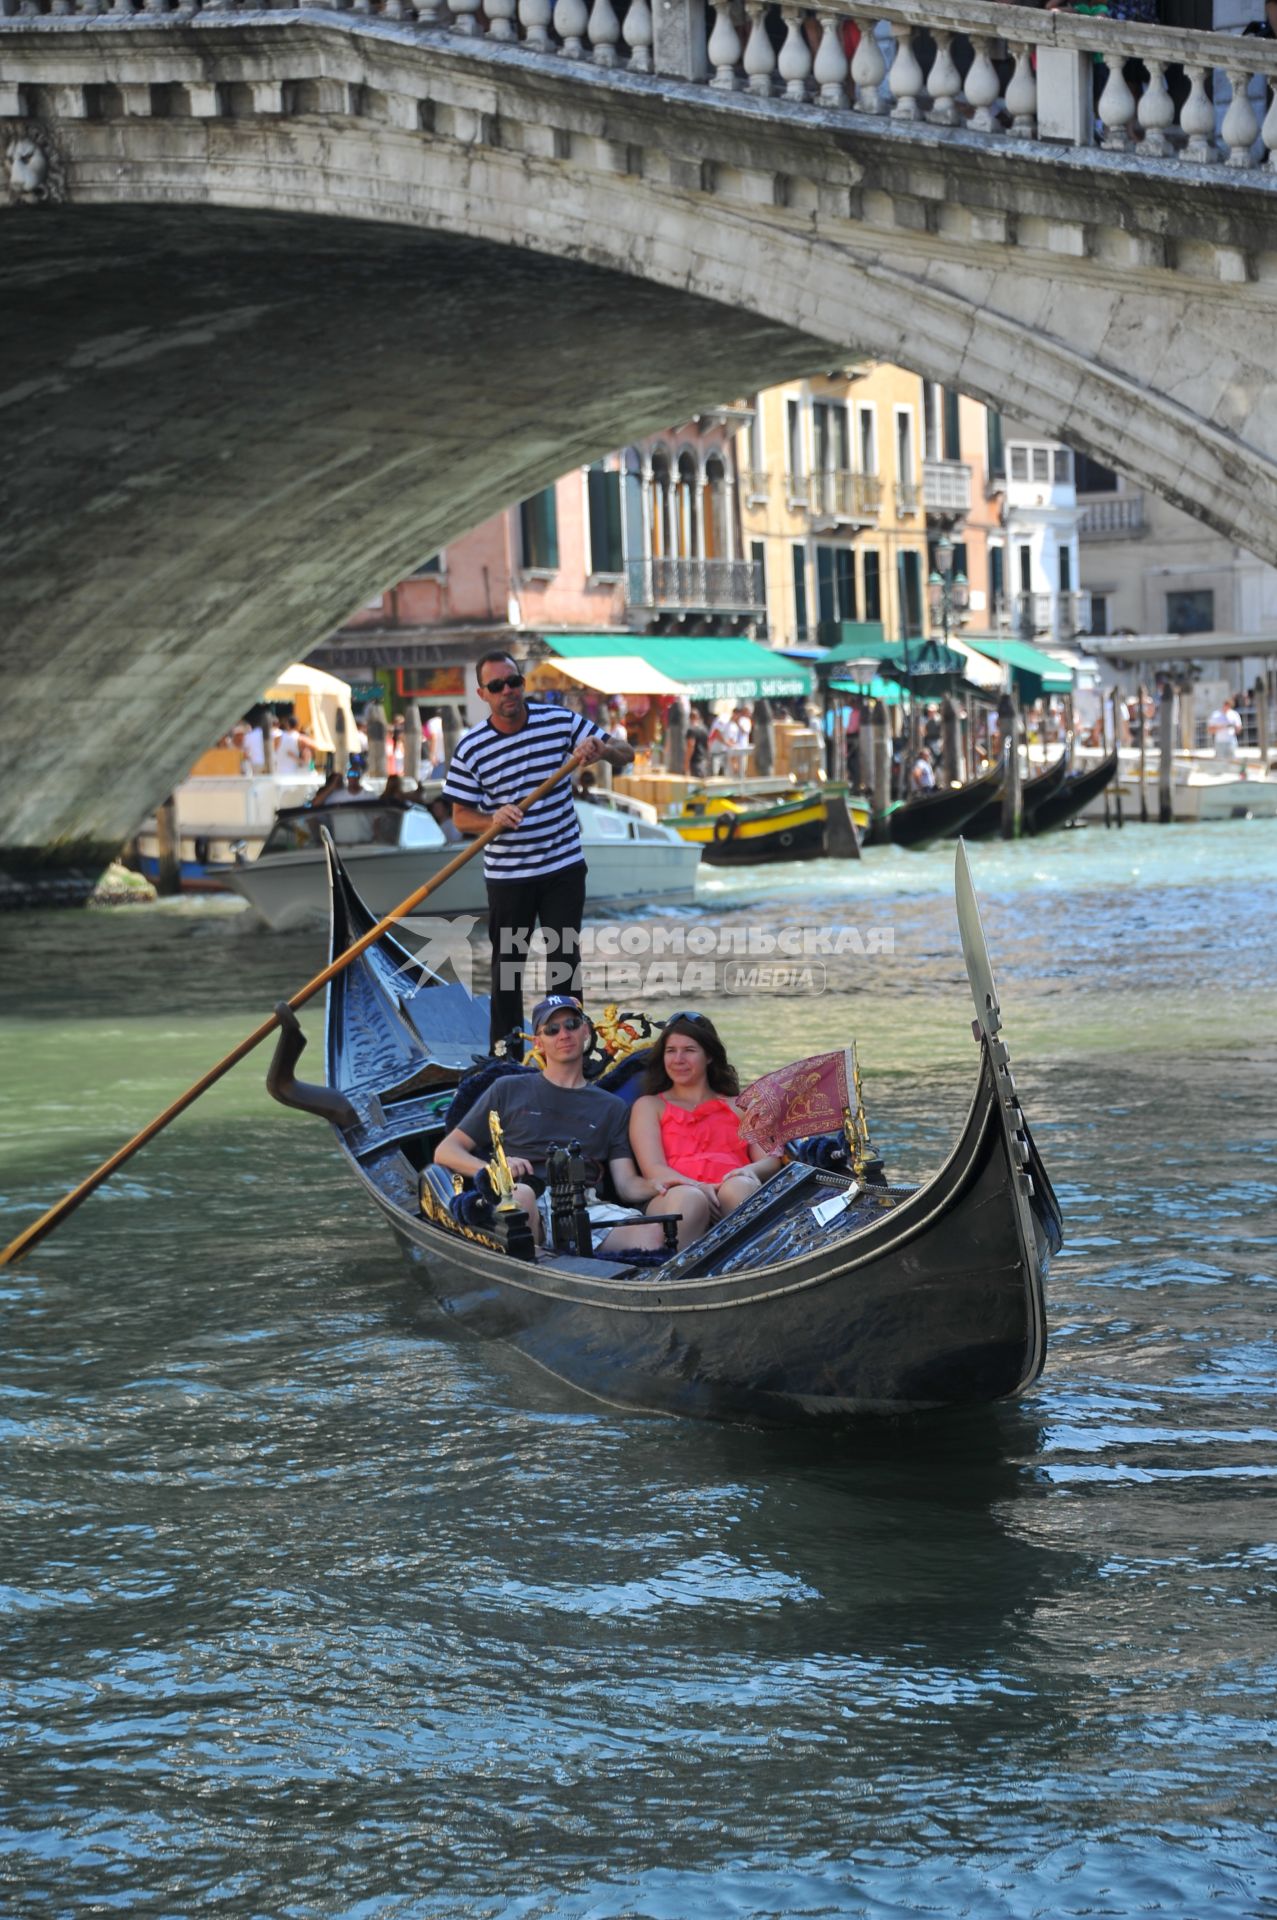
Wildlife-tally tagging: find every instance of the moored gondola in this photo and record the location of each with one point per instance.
(941, 814)
(1034, 795)
(820, 1299)
(1074, 793)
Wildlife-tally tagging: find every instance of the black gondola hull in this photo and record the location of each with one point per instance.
(940, 815)
(1075, 793)
(1034, 795)
(904, 1300)
(934, 1305)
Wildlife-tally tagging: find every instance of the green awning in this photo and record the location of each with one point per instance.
(888, 691)
(851, 640)
(907, 660)
(1035, 673)
(706, 669)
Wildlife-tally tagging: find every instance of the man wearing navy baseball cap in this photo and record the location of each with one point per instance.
(543, 1110)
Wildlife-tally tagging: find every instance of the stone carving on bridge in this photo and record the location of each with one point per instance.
(34, 171)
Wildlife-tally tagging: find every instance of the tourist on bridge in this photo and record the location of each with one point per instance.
(535, 867)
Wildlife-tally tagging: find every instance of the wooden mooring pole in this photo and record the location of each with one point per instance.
(1166, 753)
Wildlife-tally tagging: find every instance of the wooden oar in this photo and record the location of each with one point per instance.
(55, 1216)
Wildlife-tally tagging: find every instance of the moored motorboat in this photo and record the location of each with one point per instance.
(820, 1299)
(630, 859)
(740, 831)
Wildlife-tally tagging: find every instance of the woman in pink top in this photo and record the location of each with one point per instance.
(684, 1128)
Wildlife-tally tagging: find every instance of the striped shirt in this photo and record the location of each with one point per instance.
(490, 768)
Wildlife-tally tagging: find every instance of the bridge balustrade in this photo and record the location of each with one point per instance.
(1003, 73)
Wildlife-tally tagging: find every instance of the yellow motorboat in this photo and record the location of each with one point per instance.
(731, 829)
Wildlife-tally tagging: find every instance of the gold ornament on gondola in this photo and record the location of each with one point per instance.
(616, 1037)
(499, 1168)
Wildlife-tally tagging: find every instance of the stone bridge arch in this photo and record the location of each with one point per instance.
(308, 298)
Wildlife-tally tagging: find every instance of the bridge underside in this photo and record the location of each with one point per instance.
(236, 424)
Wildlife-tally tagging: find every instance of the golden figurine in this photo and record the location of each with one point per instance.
(499, 1168)
(616, 1036)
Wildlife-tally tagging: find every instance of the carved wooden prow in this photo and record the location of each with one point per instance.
(280, 1084)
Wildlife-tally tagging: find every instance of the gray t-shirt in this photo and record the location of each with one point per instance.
(537, 1115)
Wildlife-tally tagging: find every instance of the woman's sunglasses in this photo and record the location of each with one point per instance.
(511, 681)
(568, 1024)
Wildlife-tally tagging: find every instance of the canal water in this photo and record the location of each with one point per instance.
(313, 1606)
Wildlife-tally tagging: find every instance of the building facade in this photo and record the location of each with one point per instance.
(645, 541)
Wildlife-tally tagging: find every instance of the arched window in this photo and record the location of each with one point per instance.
(689, 544)
(714, 511)
(662, 506)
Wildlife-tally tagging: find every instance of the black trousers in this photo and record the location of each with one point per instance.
(555, 901)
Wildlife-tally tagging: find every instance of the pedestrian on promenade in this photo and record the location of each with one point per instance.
(535, 867)
(1224, 727)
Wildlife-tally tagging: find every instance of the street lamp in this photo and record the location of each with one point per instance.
(949, 591)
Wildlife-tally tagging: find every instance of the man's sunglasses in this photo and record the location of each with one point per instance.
(570, 1023)
(511, 681)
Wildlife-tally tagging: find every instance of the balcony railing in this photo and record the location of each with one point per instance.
(758, 483)
(1111, 519)
(946, 486)
(835, 493)
(1057, 616)
(709, 586)
(908, 496)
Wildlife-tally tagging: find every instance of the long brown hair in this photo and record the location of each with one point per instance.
(720, 1073)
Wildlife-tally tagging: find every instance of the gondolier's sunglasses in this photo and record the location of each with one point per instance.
(570, 1023)
(511, 681)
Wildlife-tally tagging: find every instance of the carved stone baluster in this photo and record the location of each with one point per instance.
(465, 17)
(1197, 117)
(1241, 123)
(427, 12)
(760, 61)
(831, 62)
(501, 24)
(724, 48)
(1269, 130)
(637, 35)
(944, 83)
(983, 87)
(571, 18)
(534, 18)
(906, 76)
(605, 33)
(795, 56)
(1156, 111)
(868, 71)
(1022, 95)
(1116, 108)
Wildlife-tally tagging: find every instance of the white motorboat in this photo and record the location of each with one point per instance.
(226, 808)
(1203, 788)
(390, 850)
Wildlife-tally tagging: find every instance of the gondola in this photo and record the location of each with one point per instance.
(1034, 795)
(820, 1300)
(1074, 793)
(938, 815)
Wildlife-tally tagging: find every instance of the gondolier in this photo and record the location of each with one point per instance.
(535, 868)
